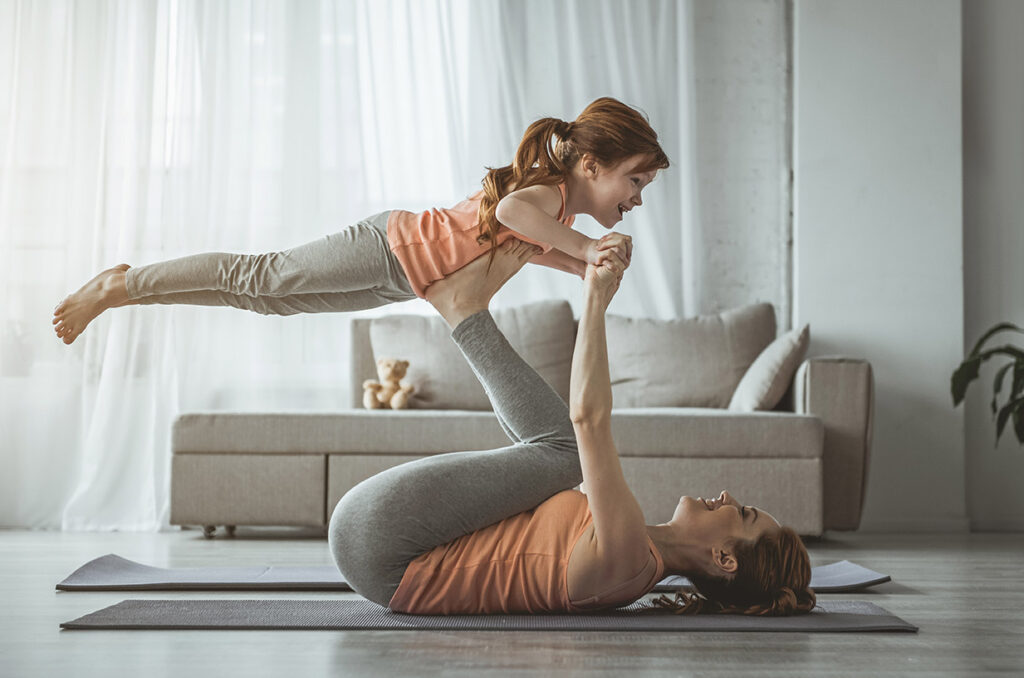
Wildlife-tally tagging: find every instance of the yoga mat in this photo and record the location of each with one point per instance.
(839, 577)
(114, 573)
(340, 615)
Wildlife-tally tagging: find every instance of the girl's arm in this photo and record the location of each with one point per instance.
(531, 211)
(561, 261)
(619, 526)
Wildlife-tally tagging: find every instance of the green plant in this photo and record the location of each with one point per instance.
(968, 372)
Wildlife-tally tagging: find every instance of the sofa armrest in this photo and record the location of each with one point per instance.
(841, 392)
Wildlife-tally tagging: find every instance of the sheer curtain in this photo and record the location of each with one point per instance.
(137, 131)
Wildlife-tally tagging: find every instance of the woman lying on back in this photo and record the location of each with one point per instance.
(502, 530)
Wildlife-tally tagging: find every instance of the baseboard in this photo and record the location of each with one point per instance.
(1010, 525)
(925, 525)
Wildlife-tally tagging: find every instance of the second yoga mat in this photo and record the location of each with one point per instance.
(114, 573)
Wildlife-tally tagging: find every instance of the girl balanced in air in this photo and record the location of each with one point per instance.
(597, 164)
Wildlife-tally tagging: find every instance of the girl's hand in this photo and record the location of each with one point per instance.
(621, 243)
(592, 253)
(598, 253)
(602, 280)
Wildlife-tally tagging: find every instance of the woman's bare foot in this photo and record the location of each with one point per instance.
(106, 290)
(469, 289)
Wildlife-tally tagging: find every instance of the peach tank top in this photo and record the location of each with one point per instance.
(515, 565)
(432, 244)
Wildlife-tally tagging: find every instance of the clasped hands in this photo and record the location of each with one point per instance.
(604, 273)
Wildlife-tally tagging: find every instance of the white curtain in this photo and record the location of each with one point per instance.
(142, 130)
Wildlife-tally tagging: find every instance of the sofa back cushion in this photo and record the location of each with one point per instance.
(542, 333)
(690, 362)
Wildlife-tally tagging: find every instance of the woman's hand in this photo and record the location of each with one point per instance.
(620, 243)
(612, 244)
(601, 281)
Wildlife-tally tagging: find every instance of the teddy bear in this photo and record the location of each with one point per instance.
(389, 392)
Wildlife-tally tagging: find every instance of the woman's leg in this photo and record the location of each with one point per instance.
(383, 523)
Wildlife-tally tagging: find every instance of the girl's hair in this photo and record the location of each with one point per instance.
(607, 129)
(772, 578)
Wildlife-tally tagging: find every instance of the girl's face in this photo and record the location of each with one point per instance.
(715, 521)
(615, 190)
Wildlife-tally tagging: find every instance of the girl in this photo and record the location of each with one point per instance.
(501, 530)
(597, 165)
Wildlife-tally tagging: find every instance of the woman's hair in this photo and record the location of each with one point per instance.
(607, 129)
(771, 578)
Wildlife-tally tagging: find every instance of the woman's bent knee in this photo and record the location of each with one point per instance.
(358, 545)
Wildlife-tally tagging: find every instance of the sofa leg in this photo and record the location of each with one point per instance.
(230, 530)
(208, 531)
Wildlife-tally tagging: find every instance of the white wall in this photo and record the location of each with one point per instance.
(741, 61)
(877, 233)
(993, 76)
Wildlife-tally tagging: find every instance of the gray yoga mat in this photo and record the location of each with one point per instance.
(114, 573)
(339, 615)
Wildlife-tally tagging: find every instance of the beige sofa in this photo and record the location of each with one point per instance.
(680, 423)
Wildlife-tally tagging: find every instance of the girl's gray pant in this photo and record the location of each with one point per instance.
(347, 271)
(386, 521)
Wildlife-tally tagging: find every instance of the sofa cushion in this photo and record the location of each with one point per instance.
(692, 362)
(543, 334)
(361, 431)
(651, 432)
(704, 432)
(765, 382)
(248, 489)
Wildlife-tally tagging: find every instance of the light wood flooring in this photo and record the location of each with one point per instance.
(965, 591)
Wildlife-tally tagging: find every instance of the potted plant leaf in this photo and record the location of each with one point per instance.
(967, 372)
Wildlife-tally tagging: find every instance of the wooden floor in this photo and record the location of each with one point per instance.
(966, 592)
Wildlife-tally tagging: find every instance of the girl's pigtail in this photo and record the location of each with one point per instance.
(536, 153)
(538, 160)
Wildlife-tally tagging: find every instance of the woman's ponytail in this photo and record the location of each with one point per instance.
(773, 579)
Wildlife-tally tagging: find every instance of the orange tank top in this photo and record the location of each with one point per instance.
(432, 244)
(515, 565)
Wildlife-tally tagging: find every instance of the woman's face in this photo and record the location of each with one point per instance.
(717, 521)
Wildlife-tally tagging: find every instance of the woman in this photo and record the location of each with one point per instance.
(501, 530)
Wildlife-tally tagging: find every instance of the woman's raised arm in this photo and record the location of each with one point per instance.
(618, 520)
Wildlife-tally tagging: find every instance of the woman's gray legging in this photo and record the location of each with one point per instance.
(346, 271)
(386, 521)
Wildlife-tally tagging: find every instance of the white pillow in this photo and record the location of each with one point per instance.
(767, 379)
(542, 333)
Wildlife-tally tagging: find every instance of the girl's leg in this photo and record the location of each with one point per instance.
(355, 259)
(383, 523)
(289, 305)
(350, 270)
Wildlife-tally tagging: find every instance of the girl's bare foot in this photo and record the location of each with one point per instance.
(106, 290)
(469, 290)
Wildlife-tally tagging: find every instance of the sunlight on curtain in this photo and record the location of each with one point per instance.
(136, 131)
(569, 54)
